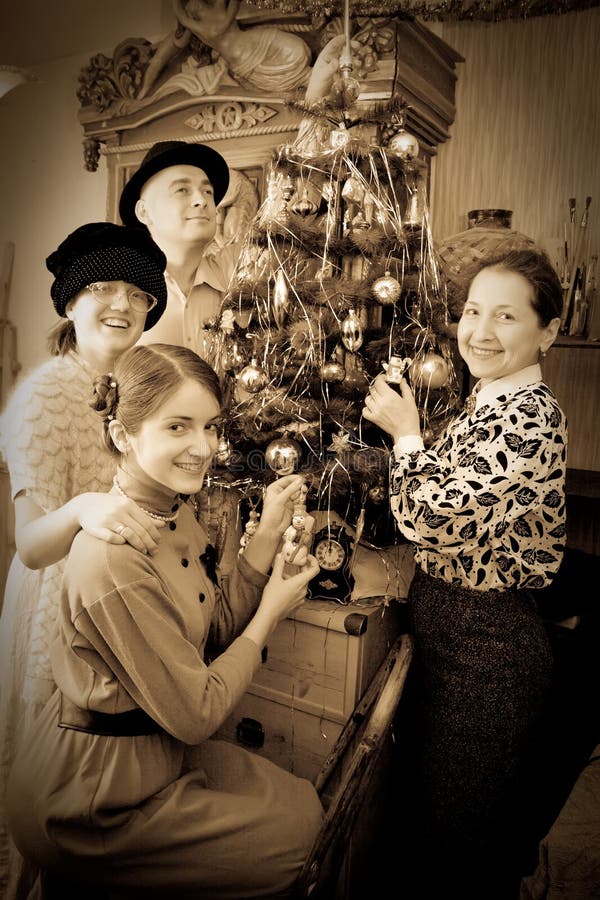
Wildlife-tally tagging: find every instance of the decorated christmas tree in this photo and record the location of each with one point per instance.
(336, 277)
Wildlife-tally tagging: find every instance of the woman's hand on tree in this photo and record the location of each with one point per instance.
(395, 413)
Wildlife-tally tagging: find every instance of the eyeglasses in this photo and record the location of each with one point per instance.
(107, 292)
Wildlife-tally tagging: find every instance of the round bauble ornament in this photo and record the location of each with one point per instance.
(333, 371)
(353, 191)
(403, 145)
(386, 289)
(345, 89)
(339, 137)
(253, 377)
(283, 455)
(429, 371)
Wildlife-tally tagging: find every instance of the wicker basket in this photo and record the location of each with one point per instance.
(461, 255)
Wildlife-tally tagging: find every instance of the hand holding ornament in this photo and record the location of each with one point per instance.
(298, 536)
(395, 413)
(279, 503)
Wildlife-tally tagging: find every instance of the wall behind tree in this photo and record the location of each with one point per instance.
(45, 192)
(527, 131)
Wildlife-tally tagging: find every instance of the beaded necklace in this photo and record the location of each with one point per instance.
(152, 515)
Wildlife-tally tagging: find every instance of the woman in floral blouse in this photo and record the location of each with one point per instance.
(484, 507)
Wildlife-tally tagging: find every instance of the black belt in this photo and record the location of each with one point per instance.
(125, 724)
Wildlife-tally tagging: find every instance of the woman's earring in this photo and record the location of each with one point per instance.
(543, 354)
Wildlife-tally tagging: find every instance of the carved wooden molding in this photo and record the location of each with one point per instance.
(182, 88)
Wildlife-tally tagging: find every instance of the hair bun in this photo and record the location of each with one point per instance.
(105, 396)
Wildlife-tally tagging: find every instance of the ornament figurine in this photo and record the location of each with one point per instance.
(297, 537)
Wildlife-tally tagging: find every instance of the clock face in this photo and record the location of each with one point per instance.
(330, 554)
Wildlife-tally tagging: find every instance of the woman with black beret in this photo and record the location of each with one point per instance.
(108, 288)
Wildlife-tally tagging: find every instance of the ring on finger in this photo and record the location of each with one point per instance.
(119, 529)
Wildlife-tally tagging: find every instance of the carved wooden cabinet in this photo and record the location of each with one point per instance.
(236, 96)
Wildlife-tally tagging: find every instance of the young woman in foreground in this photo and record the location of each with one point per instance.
(151, 657)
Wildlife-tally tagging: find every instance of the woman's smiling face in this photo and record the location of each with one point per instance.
(500, 332)
(106, 328)
(175, 445)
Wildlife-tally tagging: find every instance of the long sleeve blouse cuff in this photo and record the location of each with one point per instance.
(408, 443)
(249, 573)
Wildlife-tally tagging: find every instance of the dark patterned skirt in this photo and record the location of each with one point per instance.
(481, 672)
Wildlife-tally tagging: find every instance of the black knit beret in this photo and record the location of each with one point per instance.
(102, 251)
(173, 153)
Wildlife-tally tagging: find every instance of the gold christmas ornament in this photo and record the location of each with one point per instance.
(403, 145)
(353, 191)
(283, 455)
(339, 137)
(253, 378)
(429, 371)
(386, 289)
(352, 333)
(332, 371)
(345, 88)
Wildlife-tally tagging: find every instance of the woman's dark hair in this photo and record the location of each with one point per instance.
(143, 378)
(535, 267)
(62, 338)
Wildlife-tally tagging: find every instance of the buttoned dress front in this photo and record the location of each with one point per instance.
(171, 812)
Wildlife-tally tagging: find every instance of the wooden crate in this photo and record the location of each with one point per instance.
(316, 667)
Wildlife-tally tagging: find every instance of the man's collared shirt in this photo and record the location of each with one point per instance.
(183, 321)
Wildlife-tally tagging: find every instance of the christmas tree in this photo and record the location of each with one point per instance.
(337, 275)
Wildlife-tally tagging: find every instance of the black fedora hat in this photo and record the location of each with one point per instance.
(173, 153)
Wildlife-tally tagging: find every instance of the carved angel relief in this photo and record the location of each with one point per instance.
(263, 57)
(218, 75)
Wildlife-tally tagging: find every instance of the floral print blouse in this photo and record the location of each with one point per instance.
(485, 504)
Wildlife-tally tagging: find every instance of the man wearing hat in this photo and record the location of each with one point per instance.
(174, 193)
